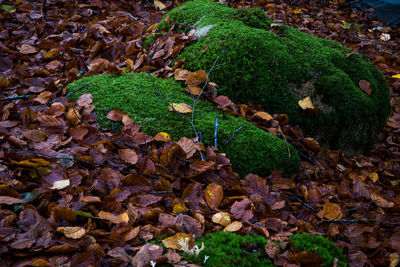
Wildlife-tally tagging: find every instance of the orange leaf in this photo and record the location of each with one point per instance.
(213, 195)
(365, 86)
(332, 211)
(162, 136)
(188, 146)
(197, 78)
(311, 144)
(181, 108)
(43, 97)
(128, 155)
(201, 166)
(74, 232)
(193, 89)
(262, 116)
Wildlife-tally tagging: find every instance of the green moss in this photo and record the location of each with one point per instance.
(148, 40)
(227, 249)
(251, 151)
(325, 248)
(279, 66)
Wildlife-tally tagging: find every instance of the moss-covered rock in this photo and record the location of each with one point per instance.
(279, 65)
(251, 151)
(225, 249)
(325, 248)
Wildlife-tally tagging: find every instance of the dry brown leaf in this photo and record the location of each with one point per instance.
(213, 195)
(10, 200)
(311, 144)
(27, 49)
(114, 218)
(159, 5)
(262, 116)
(162, 137)
(172, 241)
(380, 201)
(221, 218)
(233, 227)
(188, 146)
(181, 74)
(128, 155)
(365, 86)
(332, 211)
(74, 232)
(197, 78)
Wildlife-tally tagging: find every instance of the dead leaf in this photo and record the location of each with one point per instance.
(213, 195)
(43, 97)
(262, 116)
(197, 78)
(311, 144)
(27, 49)
(188, 146)
(159, 5)
(123, 217)
(61, 184)
(380, 201)
(332, 211)
(74, 232)
(180, 107)
(173, 241)
(233, 227)
(10, 200)
(221, 218)
(181, 74)
(306, 103)
(365, 86)
(394, 259)
(162, 137)
(128, 155)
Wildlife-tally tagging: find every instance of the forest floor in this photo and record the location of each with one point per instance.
(73, 194)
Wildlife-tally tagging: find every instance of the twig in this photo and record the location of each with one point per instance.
(76, 90)
(160, 192)
(302, 202)
(287, 145)
(129, 15)
(15, 97)
(215, 132)
(301, 154)
(233, 135)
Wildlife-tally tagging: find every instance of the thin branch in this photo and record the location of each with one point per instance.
(233, 135)
(15, 97)
(76, 90)
(215, 132)
(287, 145)
(302, 202)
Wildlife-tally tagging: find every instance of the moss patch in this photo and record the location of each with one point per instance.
(277, 66)
(227, 249)
(325, 248)
(251, 151)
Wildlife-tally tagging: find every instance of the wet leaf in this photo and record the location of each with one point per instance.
(181, 74)
(213, 195)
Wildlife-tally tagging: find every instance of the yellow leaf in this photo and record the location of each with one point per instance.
(396, 76)
(297, 11)
(40, 263)
(181, 108)
(306, 103)
(233, 227)
(129, 63)
(159, 5)
(74, 232)
(179, 208)
(35, 162)
(51, 53)
(221, 218)
(394, 259)
(152, 27)
(163, 137)
(373, 176)
(262, 116)
(332, 211)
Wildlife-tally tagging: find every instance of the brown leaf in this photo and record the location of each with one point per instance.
(43, 97)
(147, 253)
(332, 211)
(262, 116)
(194, 90)
(213, 195)
(233, 227)
(272, 249)
(85, 100)
(74, 232)
(200, 167)
(380, 201)
(181, 74)
(128, 155)
(197, 78)
(123, 217)
(162, 137)
(221, 218)
(27, 49)
(365, 86)
(173, 241)
(311, 144)
(187, 146)
(395, 241)
(180, 108)
(306, 258)
(10, 200)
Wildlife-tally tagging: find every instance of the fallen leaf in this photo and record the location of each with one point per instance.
(381, 202)
(197, 78)
(394, 259)
(10, 200)
(397, 76)
(162, 137)
(306, 103)
(128, 155)
(332, 211)
(365, 86)
(61, 184)
(27, 49)
(159, 5)
(173, 241)
(180, 108)
(262, 116)
(233, 227)
(311, 144)
(114, 218)
(179, 208)
(181, 74)
(213, 195)
(221, 218)
(74, 232)
(188, 146)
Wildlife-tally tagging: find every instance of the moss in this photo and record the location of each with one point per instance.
(148, 40)
(227, 249)
(279, 66)
(251, 151)
(325, 248)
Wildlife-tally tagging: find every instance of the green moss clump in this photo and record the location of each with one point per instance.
(251, 151)
(277, 66)
(325, 248)
(148, 40)
(227, 249)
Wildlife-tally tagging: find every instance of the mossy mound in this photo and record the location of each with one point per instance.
(276, 66)
(227, 249)
(325, 248)
(251, 151)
